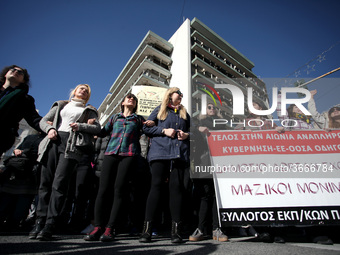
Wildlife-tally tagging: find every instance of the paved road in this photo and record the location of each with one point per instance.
(73, 244)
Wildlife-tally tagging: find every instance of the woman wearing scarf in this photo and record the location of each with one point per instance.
(296, 119)
(15, 105)
(169, 158)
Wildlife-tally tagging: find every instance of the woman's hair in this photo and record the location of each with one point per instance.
(129, 95)
(163, 111)
(290, 110)
(332, 123)
(74, 91)
(7, 68)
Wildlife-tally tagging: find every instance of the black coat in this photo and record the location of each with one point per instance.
(21, 174)
(18, 107)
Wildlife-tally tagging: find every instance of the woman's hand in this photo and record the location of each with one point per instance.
(52, 134)
(149, 123)
(280, 129)
(313, 92)
(74, 126)
(204, 130)
(17, 152)
(169, 132)
(91, 121)
(182, 135)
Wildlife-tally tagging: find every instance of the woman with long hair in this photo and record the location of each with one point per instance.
(334, 117)
(59, 155)
(123, 147)
(169, 158)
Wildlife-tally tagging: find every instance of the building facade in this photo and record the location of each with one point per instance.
(194, 59)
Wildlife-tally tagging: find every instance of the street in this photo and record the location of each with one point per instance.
(18, 243)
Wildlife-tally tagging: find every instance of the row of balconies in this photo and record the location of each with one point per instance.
(198, 69)
(156, 76)
(217, 55)
(159, 48)
(252, 81)
(126, 84)
(159, 62)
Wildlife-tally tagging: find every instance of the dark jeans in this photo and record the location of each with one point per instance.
(55, 177)
(204, 189)
(79, 194)
(113, 185)
(160, 171)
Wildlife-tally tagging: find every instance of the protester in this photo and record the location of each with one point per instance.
(59, 154)
(329, 119)
(15, 104)
(204, 184)
(19, 182)
(119, 159)
(169, 158)
(295, 118)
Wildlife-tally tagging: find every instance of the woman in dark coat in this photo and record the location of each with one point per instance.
(169, 158)
(15, 105)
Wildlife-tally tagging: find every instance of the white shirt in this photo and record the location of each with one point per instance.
(70, 114)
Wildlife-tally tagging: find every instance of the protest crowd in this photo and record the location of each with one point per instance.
(130, 176)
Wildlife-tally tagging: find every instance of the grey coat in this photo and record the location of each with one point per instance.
(54, 116)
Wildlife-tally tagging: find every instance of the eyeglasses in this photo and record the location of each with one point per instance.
(131, 97)
(179, 93)
(19, 71)
(211, 107)
(334, 109)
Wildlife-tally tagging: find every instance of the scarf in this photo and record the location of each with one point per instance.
(12, 95)
(302, 117)
(175, 108)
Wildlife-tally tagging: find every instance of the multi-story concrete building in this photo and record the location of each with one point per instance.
(194, 59)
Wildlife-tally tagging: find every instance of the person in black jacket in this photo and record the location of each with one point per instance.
(203, 182)
(15, 105)
(19, 184)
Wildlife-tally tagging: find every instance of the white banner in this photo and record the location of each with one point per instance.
(297, 172)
